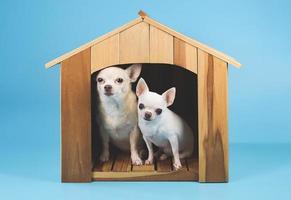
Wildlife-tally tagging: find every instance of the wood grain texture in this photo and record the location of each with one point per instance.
(145, 176)
(192, 164)
(118, 169)
(134, 44)
(105, 53)
(164, 165)
(76, 118)
(143, 173)
(122, 163)
(193, 42)
(104, 167)
(161, 46)
(143, 168)
(147, 20)
(185, 55)
(212, 111)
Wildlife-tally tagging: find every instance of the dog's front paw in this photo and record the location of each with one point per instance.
(177, 165)
(149, 161)
(136, 160)
(104, 157)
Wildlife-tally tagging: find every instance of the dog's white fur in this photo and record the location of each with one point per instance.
(166, 130)
(118, 111)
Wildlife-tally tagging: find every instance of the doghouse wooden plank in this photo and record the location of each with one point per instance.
(164, 165)
(145, 176)
(193, 42)
(212, 112)
(185, 55)
(134, 44)
(161, 46)
(192, 164)
(97, 166)
(104, 167)
(92, 43)
(153, 23)
(76, 118)
(143, 168)
(122, 163)
(142, 173)
(105, 53)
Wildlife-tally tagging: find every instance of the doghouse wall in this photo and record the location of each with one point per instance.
(76, 112)
(159, 78)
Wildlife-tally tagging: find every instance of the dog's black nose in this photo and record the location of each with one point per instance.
(147, 115)
(108, 88)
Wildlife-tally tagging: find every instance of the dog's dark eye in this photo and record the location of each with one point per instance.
(159, 111)
(99, 80)
(119, 80)
(141, 106)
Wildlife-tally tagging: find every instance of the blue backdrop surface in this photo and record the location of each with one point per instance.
(257, 33)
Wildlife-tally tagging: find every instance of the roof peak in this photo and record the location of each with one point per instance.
(142, 14)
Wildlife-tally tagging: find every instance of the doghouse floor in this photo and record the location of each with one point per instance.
(120, 168)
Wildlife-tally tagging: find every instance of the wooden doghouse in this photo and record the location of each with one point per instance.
(146, 41)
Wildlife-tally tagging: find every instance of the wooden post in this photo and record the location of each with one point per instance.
(142, 14)
(76, 117)
(212, 111)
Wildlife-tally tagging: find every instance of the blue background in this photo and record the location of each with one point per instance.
(256, 33)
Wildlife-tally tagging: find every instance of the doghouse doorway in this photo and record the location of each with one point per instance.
(159, 77)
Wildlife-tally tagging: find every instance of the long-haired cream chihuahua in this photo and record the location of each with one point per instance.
(118, 111)
(162, 127)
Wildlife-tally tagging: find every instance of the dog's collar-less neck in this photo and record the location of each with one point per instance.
(115, 104)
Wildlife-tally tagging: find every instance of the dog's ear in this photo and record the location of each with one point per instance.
(141, 87)
(133, 72)
(169, 96)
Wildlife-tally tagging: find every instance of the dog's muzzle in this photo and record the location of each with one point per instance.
(147, 119)
(108, 90)
(147, 116)
(108, 93)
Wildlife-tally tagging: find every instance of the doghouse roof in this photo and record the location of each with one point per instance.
(144, 18)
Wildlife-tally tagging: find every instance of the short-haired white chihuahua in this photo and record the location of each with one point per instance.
(161, 126)
(118, 111)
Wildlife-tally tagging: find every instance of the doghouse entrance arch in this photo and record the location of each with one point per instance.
(143, 40)
(159, 77)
